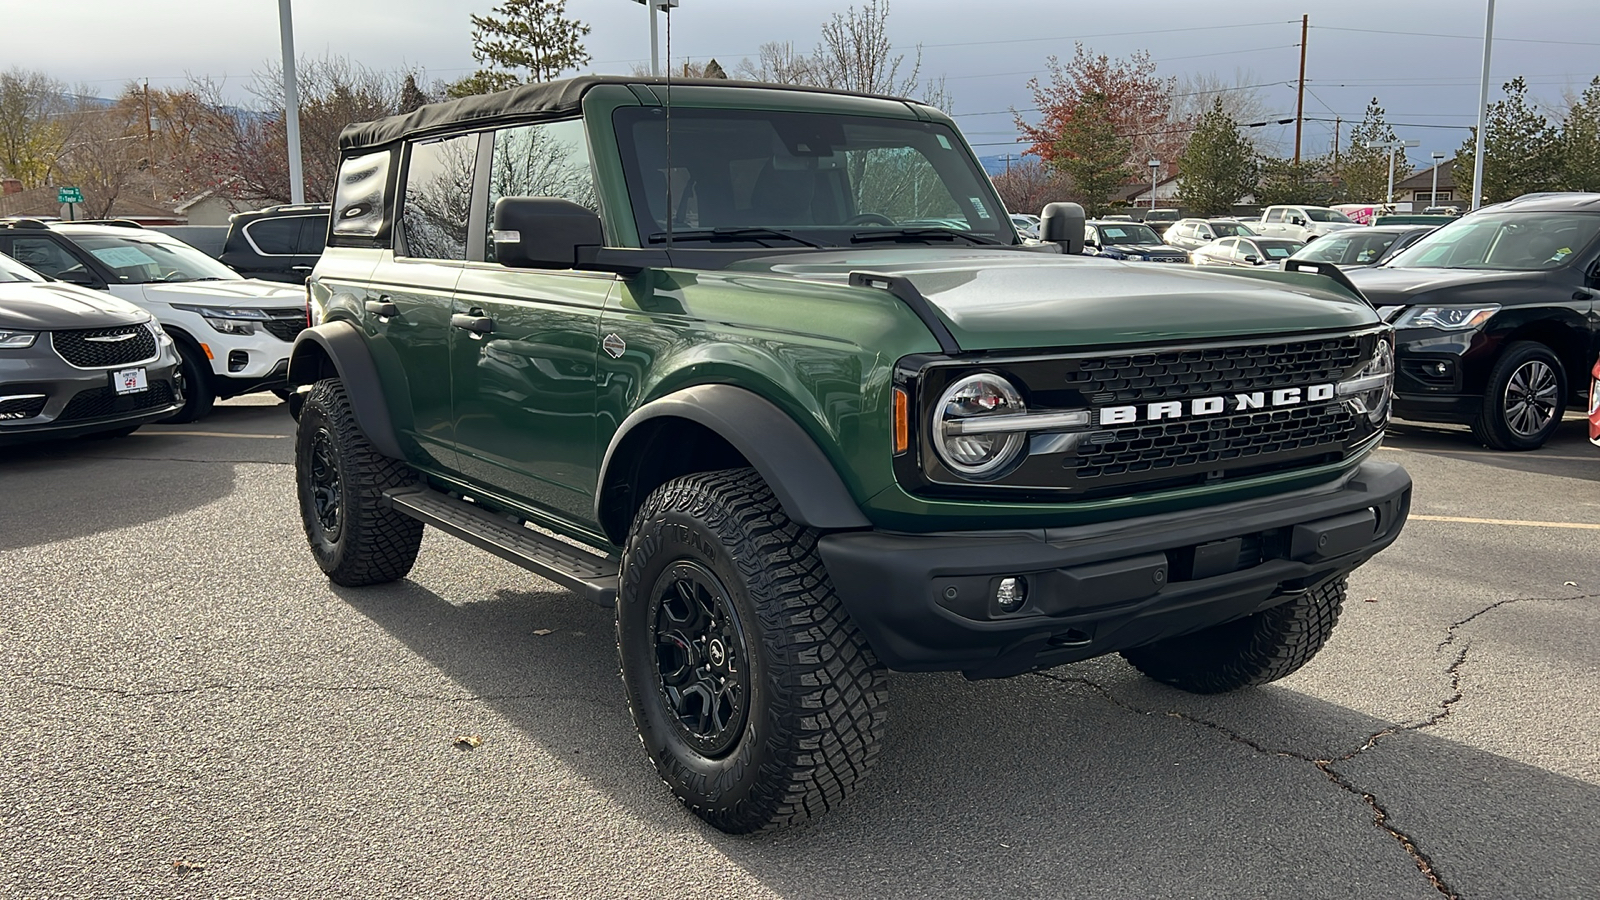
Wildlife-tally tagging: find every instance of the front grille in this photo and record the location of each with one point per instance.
(1201, 372)
(1174, 445)
(21, 407)
(1244, 439)
(97, 403)
(89, 348)
(286, 324)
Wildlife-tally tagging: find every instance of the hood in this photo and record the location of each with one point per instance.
(1004, 299)
(247, 292)
(49, 306)
(1386, 286)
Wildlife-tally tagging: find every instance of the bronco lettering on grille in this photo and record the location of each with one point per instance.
(1211, 406)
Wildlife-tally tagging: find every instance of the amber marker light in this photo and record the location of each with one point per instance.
(902, 422)
(207, 349)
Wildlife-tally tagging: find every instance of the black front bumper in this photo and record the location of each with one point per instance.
(926, 601)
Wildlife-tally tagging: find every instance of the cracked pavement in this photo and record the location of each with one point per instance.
(187, 709)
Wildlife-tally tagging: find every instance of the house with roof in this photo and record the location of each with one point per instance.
(1418, 189)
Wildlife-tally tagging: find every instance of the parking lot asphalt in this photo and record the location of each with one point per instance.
(189, 709)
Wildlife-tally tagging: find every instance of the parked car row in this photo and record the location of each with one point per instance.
(232, 335)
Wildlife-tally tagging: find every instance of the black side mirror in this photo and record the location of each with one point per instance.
(1253, 260)
(1297, 221)
(1063, 223)
(543, 232)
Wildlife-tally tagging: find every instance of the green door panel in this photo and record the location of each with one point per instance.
(524, 395)
(411, 351)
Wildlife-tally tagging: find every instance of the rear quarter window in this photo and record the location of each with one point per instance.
(359, 202)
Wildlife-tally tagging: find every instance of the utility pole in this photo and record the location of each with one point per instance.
(291, 104)
(1300, 93)
(1336, 123)
(1483, 110)
(149, 140)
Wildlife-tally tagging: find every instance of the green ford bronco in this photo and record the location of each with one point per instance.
(768, 371)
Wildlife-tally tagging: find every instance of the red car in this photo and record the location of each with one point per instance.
(1594, 406)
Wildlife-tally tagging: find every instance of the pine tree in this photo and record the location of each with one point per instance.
(1522, 150)
(1365, 169)
(1090, 153)
(531, 36)
(411, 96)
(1580, 141)
(1219, 165)
(1285, 181)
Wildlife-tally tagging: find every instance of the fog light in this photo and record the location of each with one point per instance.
(1011, 594)
(1439, 368)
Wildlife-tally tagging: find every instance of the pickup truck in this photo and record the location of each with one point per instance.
(1301, 223)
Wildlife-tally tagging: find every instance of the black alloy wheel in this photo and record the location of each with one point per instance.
(701, 658)
(1524, 399)
(326, 485)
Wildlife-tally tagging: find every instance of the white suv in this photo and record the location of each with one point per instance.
(233, 334)
(1301, 223)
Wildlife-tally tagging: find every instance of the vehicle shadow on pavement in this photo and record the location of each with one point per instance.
(1083, 781)
(1568, 454)
(55, 491)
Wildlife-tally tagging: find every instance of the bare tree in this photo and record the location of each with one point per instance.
(778, 63)
(856, 55)
(108, 152)
(1194, 95)
(34, 125)
(1029, 185)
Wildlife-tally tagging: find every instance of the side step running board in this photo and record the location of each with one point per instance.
(591, 576)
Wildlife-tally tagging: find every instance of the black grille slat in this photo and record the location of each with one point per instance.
(21, 407)
(1200, 372)
(98, 403)
(1157, 448)
(285, 326)
(79, 348)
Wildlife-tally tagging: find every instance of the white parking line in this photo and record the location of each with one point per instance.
(1586, 526)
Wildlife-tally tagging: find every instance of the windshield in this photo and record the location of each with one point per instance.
(1343, 249)
(1514, 241)
(142, 260)
(1128, 234)
(1231, 229)
(1278, 249)
(11, 271)
(755, 176)
(1327, 215)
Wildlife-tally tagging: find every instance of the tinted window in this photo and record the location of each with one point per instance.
(313, 235)
(547, 160)
(1231, 228)
(11, 271)
(44, 255)
(275, 237)
(1509, 240)
(1326, 215)
(1274, 215)
(358, 197)
(438, 197)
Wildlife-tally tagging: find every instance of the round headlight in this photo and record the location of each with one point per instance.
(1375, 403)
(964, 447)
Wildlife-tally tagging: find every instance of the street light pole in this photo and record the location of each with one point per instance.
(1392, 146)
(1438, 160)
(655, 42)
(1483, 109)
(291, 105)
(1155, 167)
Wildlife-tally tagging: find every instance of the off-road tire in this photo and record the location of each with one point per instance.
(1245, 652)
(198, 394)
(815, 708)
(368, 542)
(1493, 424)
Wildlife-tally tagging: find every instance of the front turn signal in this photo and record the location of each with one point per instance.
(902, 422)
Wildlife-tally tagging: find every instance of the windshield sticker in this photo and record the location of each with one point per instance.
(977, 204)
(123, 257)
(943, 141)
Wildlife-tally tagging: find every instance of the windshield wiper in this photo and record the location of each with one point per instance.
(734, 234)
(921, 234)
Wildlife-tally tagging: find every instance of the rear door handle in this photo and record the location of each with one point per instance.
(477, 325)
(382, 308)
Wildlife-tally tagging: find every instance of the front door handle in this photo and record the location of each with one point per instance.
(383, 309)
(478, 325)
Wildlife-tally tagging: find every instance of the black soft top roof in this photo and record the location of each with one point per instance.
(549, 99)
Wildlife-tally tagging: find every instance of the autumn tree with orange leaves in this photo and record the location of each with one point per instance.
(1138, 101)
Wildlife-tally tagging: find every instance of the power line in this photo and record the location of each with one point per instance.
(1463, 37)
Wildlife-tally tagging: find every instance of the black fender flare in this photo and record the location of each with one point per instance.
(800, 475)
(343, 345)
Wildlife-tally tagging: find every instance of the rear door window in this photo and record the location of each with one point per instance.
(275, 237)
(358, 198)
(438, 197)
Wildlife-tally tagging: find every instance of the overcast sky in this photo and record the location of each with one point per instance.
(1401, 51)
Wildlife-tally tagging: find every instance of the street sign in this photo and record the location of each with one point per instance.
(69, 195)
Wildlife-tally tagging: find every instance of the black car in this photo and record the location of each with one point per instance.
(1128, 240)
(279, 243)
(1366, 246)
(1495, 317)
